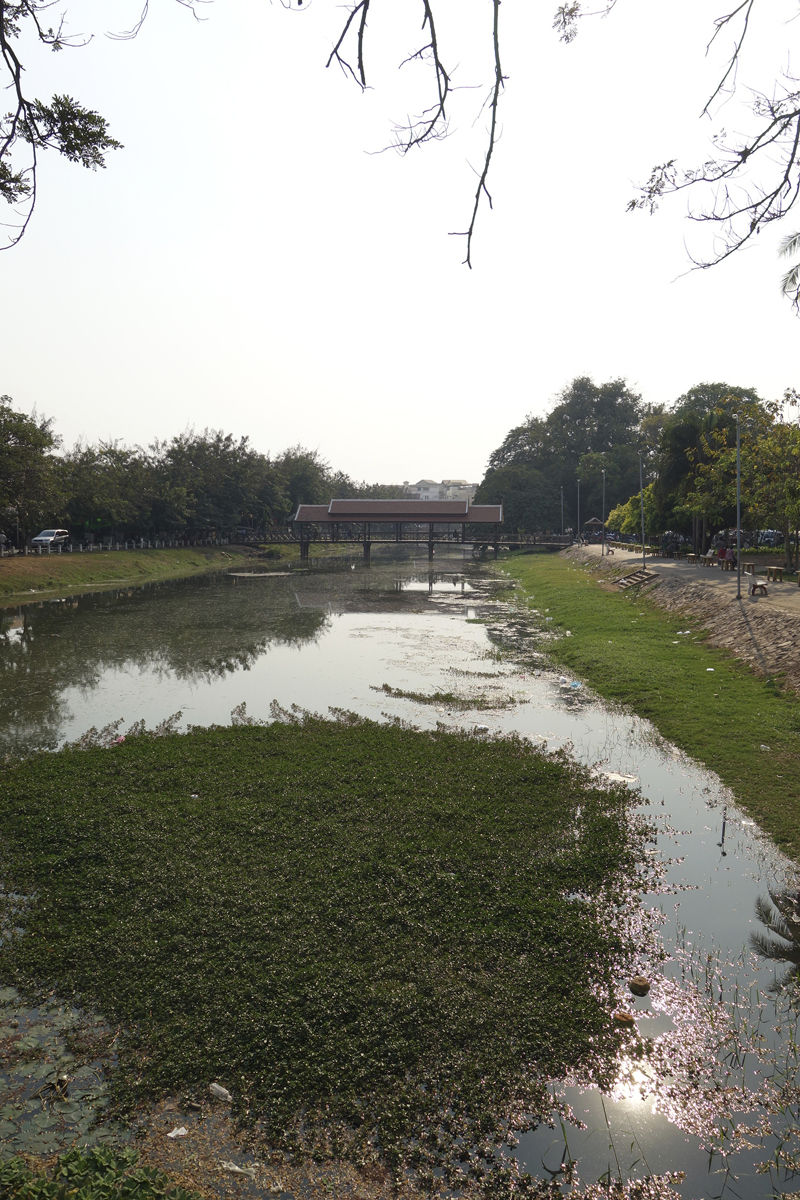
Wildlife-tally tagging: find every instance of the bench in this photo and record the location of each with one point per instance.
(708, 560)
(775, 574)
(692, 558)
(755, 586)
(749, 568)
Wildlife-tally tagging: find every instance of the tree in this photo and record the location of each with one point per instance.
(29, 492)
(529, 502)
(627, 517)
(591, 426)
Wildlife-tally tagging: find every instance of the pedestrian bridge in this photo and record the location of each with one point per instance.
(418, 522)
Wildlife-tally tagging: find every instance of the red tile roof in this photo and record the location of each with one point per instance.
(417, 511)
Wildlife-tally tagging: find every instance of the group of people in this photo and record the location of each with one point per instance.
(724, 555)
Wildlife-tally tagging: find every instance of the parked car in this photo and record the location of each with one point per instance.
(51, 538)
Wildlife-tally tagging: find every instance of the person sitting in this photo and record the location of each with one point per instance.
(721, 555)
(730, 559)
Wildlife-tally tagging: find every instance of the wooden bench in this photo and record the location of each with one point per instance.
(692, 558)
(755, 586)
(706, 561)
(775, 574)
(749, 568)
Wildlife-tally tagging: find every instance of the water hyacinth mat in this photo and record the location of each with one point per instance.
(383, 942)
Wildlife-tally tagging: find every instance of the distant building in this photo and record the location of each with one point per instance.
(448, 489)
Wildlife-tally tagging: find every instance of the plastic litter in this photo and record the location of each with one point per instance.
(220, 1092)
(178, 1131)
(483, 728)
(563, 679)
(763, 747)
(232, 1167)
(548, 618)
(709, 668)
(576, 684)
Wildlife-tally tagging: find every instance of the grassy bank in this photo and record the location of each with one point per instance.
(64, 573)
(699, 697)
(380, 941)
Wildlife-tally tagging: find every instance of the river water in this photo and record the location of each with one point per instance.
(341, 635)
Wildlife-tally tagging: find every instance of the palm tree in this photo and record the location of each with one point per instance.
(781, 917)
(790, 284)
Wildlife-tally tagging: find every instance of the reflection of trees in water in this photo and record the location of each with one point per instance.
(195, 631)
(780, 915)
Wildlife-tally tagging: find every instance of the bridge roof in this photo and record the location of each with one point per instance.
(400, 510)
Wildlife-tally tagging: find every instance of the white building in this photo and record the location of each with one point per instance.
(448, 489)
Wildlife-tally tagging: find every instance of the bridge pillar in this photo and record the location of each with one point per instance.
(495, 549)
(303, 551)
(366, 552)
(430, 551)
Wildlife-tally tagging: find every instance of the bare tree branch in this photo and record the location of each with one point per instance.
(493, 101)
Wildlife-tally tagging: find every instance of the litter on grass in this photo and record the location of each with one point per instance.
(763, 747)
(178, 1131)
(709, 668)
(220, 1092)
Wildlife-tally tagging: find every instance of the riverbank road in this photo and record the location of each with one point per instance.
(783, 596)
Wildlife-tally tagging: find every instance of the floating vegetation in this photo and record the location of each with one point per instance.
(450, 700)
(98, 1174)
(382, 942)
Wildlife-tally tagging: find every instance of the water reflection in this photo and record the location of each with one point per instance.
(55, 655)
(780, 915)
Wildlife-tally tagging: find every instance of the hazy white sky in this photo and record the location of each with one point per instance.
(244, 263)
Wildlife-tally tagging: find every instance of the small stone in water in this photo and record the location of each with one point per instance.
(639, 985)
(624, 1018)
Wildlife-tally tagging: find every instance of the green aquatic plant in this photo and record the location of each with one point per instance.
(383, 942)
(97, 1174)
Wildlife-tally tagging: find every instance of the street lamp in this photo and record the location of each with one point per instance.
(738, 515)
(603, 543)
(579, 511)
(641, 497)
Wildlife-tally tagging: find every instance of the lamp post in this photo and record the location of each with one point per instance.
(641, 497)
(562, 510)
(738, 515)
(579, 512)
(603, 543)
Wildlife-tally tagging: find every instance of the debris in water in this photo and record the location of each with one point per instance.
(220, 1092)
(232, 1167)
(179, 1131)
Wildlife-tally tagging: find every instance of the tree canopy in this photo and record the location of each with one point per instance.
(591, 428)
(194, 482)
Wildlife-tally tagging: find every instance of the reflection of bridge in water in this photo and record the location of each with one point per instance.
(411, 522)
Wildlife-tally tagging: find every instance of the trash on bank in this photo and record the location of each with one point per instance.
(232, 1167)
(220, 1092)
(178, 1131)
(763, 747)
(576, 684)
(482, 728)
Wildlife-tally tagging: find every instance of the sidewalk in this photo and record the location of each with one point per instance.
(782, 596)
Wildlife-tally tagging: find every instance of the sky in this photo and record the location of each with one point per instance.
(249, 262)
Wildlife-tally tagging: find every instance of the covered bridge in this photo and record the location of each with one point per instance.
(387, 521)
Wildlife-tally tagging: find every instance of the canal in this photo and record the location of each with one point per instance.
(715, 1096)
